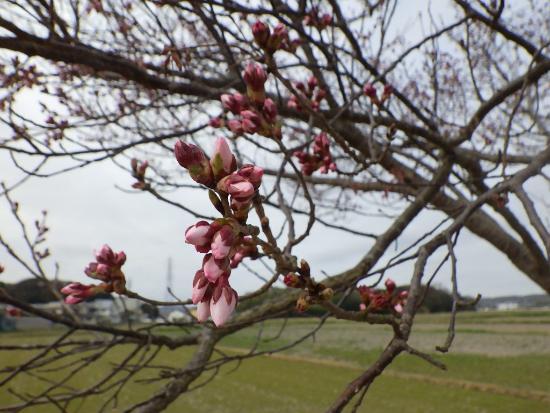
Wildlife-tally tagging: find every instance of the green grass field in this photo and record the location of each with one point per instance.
(500, 363)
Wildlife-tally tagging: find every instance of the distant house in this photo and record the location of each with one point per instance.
(509, 305)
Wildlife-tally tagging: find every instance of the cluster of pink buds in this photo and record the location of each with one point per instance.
(269, 41)
(138, 172)
(253, 113)
(376, 300)
(224, 241)
(315, 19)
(310, 92)
(320, 159)
(370, 91)
(225, 248)
(106, 268)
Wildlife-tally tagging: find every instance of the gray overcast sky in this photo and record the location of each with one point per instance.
(86, 210)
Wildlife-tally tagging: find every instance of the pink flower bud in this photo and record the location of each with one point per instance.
(255, 76)
(223, 302)
(120, 258)
(200, 284)
(388, 90)
(77, 292)
(222, 242)
(293, 103)
(252, 174)
(223, 162)
(203, 311)
(261, 33)
(398, 308)
(390, 285)
(216, 122)
(105, 255)
(312, 83)
(270, 111)
(214, 269)
(235, 126)
(293, 281)
(199, 235)
(237, 186)
(233, 103)
(326, 20)
(280, 31)
(369, 90)
(251, 122)
(195, 161)
(320, 95)
(362, 307)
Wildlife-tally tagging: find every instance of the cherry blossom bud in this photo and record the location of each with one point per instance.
(105, 255)
(216, 122)
(280, 30)
(388, 90)
(292, 280)
(255, 76)
(199, 235)
(251, 122)
(293, 103)
(390, 285)
(369, 90)
(223, 302)
(120, 258)
(195, 161)
(261, 33)
(223, 161)
(326, 20)
(238, 187)
(403, 295)
(320, 95)
(364, 292)
(312, 83)
(300, 86)
(378, 301)
(235, 126)
(77, 292)
(398, 308)
(203, 311)
(214, 269)
(246, 248)
(252, 174)
(222, 242)
(276, 40)
(270, 110)
(362, 307)
(232, 103)
(200, 285)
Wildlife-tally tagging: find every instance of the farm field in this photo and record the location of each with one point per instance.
(500, 362)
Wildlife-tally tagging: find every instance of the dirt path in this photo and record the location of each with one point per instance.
(535, 395)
